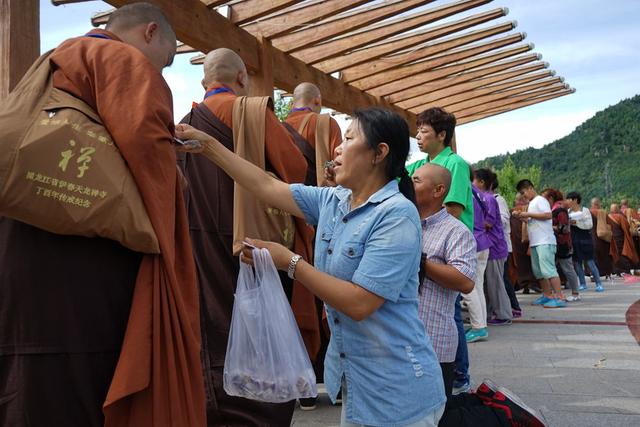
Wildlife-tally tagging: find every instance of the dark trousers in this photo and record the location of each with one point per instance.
(509, 286)
(467, 410)
(57, 389)
(462, 354)
(448, 375)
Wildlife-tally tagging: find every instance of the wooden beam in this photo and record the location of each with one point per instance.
(253, 9)
(432, 90)
(205, 29)
(184, 48)
(406, 41)
(214, 3)
(335, 93)
(381, 80)
(553, 83)
(431, 75)
(262, 82)
(19, 41)
(334, 48)
(444, 46)
(193, 22)
(101, 18)
(498, 103)
(341, 25)
(484, 89)
(449, 90)
(291, 21)
(61, 2)
(511, 107)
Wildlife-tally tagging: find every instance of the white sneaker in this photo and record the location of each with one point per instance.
(574, 298)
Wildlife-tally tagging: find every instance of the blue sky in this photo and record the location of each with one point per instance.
(594, 44)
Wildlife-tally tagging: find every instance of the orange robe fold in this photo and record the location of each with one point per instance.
(295, 119)
(158, 380)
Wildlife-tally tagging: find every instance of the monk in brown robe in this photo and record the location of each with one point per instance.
(210, 207)
(623, 251)
(521, 260)
(86, 322)
(601, 246)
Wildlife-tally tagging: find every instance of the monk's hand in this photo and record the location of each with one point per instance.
(191, 136)
(281, 255)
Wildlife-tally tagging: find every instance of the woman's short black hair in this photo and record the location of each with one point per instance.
(440, 121)
(485, 175)
(574, 195)
(382, 125)
(524, 184)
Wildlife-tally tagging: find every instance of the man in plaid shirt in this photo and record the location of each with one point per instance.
(448, 265)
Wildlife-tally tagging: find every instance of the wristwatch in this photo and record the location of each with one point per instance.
(291, 270)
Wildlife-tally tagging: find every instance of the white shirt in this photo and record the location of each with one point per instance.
(582, 218)
(505, 218)
(540, 230)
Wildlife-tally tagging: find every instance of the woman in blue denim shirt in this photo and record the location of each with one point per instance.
(367, 255)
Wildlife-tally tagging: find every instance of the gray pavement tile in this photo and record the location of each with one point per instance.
(581, 403)
(589, 419)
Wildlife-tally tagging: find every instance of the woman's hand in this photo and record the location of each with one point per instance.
(281, 256)
(187, 132)
(329, 176)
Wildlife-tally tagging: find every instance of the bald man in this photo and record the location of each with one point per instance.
(448, 265)
(210, 206)
(67, 303)
(319, 133)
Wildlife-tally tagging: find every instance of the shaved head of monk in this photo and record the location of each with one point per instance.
(307, 95)
(147, 28)
(432, 183)
(224, 66)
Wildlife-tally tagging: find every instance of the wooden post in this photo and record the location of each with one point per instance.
(262, 83)
(19, 40)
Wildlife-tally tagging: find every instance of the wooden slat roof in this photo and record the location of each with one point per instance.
(407, 55)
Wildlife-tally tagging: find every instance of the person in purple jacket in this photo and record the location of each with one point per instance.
(475, 300)
(498, 303)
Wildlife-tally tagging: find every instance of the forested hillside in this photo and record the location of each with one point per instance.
(601, 157)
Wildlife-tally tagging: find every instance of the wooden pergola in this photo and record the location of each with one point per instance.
(406, 55)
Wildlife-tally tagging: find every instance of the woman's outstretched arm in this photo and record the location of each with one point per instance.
(266, 188)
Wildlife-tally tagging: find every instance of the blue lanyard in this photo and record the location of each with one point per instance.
(216, 91)
(98, 36)
(301, 109)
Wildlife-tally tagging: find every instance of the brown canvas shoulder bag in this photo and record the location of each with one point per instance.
(61, 171)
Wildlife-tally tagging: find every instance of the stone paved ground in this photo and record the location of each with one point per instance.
(582, 375)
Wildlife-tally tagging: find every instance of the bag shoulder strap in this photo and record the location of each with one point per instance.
(479, 200)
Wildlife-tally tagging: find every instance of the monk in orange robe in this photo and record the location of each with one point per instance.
(210, 203)
(623, 251)
(86, 324)
(303, 121)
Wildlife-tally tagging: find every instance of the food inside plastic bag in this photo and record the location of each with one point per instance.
(266, 359)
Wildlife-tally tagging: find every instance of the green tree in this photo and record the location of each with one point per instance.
(509, 175)
(282, 106)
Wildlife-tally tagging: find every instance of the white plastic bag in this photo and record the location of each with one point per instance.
(266, 359)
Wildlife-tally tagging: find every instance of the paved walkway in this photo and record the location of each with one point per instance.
(578, 366)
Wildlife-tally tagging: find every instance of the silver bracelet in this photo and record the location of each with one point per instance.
(291, 270)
